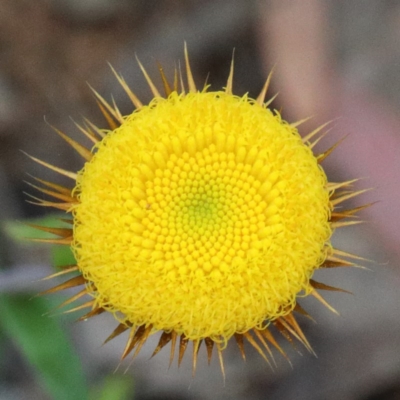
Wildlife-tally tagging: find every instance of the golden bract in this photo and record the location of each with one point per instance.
(202, 215)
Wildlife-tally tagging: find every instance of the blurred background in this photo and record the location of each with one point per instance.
(334, 60)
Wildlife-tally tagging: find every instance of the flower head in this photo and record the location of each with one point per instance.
(202, 215)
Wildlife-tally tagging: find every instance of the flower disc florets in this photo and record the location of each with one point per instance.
(204, 214)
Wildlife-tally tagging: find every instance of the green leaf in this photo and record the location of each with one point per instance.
(62, 255)
(45, 345)
(115, 387)
(19, 230)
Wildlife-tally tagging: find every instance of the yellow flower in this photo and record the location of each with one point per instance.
(203, 216)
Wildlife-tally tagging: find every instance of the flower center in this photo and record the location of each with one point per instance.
(204, 214)
(204, 210)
